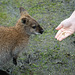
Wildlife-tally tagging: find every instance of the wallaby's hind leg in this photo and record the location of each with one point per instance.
(14, 61)
(15, 56)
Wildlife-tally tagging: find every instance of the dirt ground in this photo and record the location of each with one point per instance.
(44, 54)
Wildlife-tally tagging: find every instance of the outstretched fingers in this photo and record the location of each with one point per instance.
(60, 26)
(63, 35)
(58, 33)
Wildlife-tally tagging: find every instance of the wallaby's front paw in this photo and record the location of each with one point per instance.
(15, 61)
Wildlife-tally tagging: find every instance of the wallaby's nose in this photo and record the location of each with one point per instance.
(41, 31)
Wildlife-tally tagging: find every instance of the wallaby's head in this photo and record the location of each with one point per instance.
(30, 25)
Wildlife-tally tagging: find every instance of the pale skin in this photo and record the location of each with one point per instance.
(66, 28)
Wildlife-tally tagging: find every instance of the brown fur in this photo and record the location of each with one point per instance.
(14, 39)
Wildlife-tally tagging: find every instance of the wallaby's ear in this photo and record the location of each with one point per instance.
(24, 20)
(22, 11)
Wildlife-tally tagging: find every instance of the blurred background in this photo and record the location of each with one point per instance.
(44, 54)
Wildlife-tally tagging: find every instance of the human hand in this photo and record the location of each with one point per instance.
(66, 28)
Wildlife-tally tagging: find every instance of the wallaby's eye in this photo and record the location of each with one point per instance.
(33, 27)
(24, 20)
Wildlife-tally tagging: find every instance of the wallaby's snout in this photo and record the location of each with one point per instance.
(40, 29)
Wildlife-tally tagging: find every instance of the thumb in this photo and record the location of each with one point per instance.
(60, 26)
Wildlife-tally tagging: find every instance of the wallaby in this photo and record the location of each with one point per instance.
(14, 39)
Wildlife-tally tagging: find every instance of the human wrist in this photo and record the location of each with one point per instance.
(72, 21)
(73, 15)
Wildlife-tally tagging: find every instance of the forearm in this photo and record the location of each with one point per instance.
(73, 15)
(72, 19)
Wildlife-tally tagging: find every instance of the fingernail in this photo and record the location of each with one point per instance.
(55, 36)
(55, 28)
(60, 39)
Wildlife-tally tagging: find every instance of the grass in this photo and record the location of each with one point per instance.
(47, 55)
